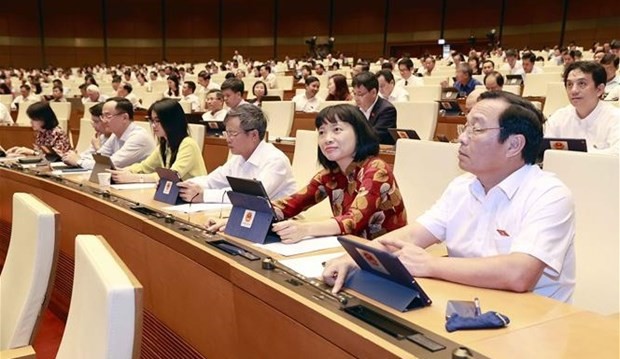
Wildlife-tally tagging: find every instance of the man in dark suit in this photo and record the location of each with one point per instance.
(380, 113)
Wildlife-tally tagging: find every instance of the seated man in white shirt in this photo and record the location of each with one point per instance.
(405, 66)
(205, 84)
(232, 89)
(512, 64)
(308, 101)
(26, 95)
(125, 90)
(269, 78)
(214, 104)
(488, 66)
(93, 94)
(189, 96)
(102, 134)
(610, 63)
(587, 116)
(129, 143)
(528, 62)
(252, 158)
(388, 89)
(506, 224)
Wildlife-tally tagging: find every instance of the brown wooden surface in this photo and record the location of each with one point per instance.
(199, 301)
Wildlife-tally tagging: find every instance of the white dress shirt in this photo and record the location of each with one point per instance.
(217, 116)
(410, 82)
(266, 164)
(530, 211)
(270, 80)
(399, 94)
(517, 70)
(86, 160)
(135, 145)
(601, 128)
(611, 89)
(194, 100)
(302, 103)
(19, 99)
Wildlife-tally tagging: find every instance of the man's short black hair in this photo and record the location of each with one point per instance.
(122, 105)
(191, 85)
(97, 109)
(367, 80)
(407, 62)
(520, 118)
(531, 57)
(588, 67)
(233, 84)
(387, 75)
(610, 59)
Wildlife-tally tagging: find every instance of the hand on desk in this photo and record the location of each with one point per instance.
(291, 231)
(416, 259)
(124, 176)
(71, 158)
(216, 224)
(190, 192)
(17, 150)
(336, 270)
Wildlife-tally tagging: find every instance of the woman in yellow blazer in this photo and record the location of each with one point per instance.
(177, 150)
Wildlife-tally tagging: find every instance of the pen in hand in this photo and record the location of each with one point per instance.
(477, 306)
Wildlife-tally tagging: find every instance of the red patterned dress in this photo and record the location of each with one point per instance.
(365, 200)
(55, 138)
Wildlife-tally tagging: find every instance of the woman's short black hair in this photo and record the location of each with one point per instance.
(366, 139)
(254, 87)
(172, 120)
(41, 111)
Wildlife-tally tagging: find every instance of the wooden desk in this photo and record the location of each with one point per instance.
(203, 303)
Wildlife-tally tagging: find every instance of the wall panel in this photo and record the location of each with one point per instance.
(192, 30)
(358, 29)
(298, 23)
(248, 26)
(532, 23)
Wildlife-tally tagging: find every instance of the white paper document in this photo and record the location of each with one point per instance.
(310, 267)
(199, 207)
(133, 186)
(305, 246)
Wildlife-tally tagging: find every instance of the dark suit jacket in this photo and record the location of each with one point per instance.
(382, 117)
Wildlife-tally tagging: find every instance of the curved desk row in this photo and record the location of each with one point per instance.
(200, 302)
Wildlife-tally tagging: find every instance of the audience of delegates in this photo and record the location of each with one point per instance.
(214, 104)
(337, 88)
(506, 223)
(308, 100)
(388, 89)
(47, 130)
(252, 157)
(587, 116)
(177, 150)
(380, 113)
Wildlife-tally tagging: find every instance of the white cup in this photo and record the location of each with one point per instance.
(104, 180)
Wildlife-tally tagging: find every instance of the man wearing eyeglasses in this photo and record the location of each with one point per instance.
(506, 224)
(252, 158)
(129, 143)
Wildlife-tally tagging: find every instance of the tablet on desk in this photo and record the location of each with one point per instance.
(250, 186)
(514, 79)
(383, 264)
(562, 144)
(398, 133)
(102, 163)
(50, 154)
(167, 189)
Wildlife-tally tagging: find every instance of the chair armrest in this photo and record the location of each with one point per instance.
(26, 352)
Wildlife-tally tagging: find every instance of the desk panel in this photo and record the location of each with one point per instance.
(203, 303)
